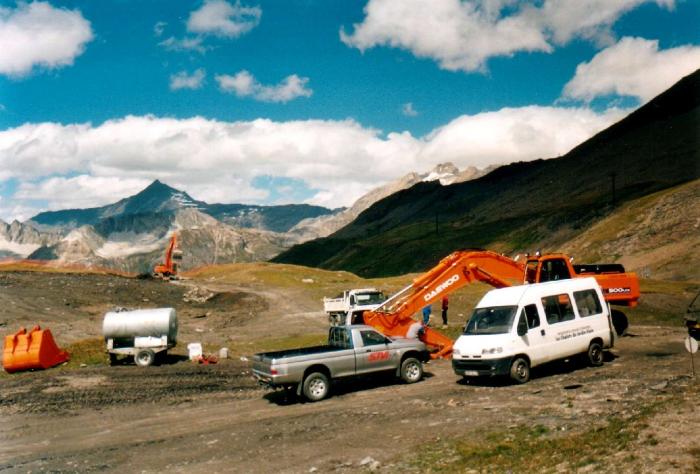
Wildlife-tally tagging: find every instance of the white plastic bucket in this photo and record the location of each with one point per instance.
(194, 349)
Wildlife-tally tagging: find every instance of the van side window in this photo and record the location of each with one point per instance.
(532, 315)
(558, 308)
(587, 303)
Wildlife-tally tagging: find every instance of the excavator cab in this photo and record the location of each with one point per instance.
(546, 269)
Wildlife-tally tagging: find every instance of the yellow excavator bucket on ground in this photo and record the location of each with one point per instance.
(35, 349)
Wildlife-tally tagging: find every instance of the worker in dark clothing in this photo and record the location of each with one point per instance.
(445, 305)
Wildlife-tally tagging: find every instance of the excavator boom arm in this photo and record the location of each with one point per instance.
(456, 270)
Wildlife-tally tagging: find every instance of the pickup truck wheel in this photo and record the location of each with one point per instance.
(520, 370)
(316, 387)
(144, 357)
(411, 370)
(595, 354)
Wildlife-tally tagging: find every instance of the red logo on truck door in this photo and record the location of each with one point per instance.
(377, 356)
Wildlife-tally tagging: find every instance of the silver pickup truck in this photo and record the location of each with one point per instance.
(351, 350)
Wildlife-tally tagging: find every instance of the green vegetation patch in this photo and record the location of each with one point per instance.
(87, 351)
(538, 448)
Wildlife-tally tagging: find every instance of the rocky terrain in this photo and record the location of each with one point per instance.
(636, 413)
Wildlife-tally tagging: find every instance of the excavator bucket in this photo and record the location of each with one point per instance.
(35, 349)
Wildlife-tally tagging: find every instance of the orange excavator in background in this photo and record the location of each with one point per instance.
(168, 269)
(394, 316)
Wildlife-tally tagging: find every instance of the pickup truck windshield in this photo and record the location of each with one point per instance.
(496, 320)
(370, 298)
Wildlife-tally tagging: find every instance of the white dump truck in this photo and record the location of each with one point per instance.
(142, 333)
(347, 308)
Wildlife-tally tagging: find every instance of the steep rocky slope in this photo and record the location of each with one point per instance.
(523, 205)
(445, 174)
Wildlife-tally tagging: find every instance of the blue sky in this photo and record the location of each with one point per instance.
(312, 100)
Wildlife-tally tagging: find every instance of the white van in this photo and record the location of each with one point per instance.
(513, 329)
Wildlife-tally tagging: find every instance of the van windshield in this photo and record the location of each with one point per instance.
(495, 320)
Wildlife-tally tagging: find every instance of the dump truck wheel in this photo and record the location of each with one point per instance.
(411, 370)
(520, 370)
(595, 354)
(113, 359)
(144, 357)
(316, 387)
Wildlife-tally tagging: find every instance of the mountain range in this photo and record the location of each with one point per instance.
(131, 234)
(541, 204)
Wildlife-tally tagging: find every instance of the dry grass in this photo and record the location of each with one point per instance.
(52, 267)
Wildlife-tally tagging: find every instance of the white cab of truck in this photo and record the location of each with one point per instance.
(516, 328)
(347, 308)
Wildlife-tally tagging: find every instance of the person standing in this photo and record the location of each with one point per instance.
(426, 315)
(445, 305)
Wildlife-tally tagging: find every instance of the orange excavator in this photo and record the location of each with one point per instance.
(460, 268)
(168, 269)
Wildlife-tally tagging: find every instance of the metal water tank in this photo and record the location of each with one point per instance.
(155, 322)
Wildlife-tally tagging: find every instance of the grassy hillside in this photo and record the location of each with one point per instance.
(523, 206)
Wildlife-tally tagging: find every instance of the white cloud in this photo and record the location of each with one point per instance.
(159, 28)
(184, 44)
(244, 84)
(38, 35)
(408, 110)
(183, 80)
(220, 18)
(218, 161)
(632, 67)
(80, 191)
(463, 35)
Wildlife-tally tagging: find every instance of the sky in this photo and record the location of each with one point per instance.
(312, 101)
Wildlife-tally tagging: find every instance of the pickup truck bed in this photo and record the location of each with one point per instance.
(298, 352)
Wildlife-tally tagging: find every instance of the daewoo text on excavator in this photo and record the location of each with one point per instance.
(393, 317)
(168, 269)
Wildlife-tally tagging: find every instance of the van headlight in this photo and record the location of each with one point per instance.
(492, 350)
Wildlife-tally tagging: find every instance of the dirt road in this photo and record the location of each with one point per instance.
(181, 417)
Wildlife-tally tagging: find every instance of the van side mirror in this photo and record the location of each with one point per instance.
(522, 325)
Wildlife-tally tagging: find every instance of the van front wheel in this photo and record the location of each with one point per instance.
(595, 354)
(520, 370)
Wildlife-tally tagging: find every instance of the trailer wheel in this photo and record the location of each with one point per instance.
(595, 354)
(520, 370)
(316, 387)
(411, 370)
(144, 357)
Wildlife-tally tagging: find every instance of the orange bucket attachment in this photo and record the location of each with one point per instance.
(35, 349)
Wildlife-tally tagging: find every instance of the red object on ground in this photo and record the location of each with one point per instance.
(35, 349)
(206, 359)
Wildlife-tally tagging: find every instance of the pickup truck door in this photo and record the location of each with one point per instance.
(372, 352)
